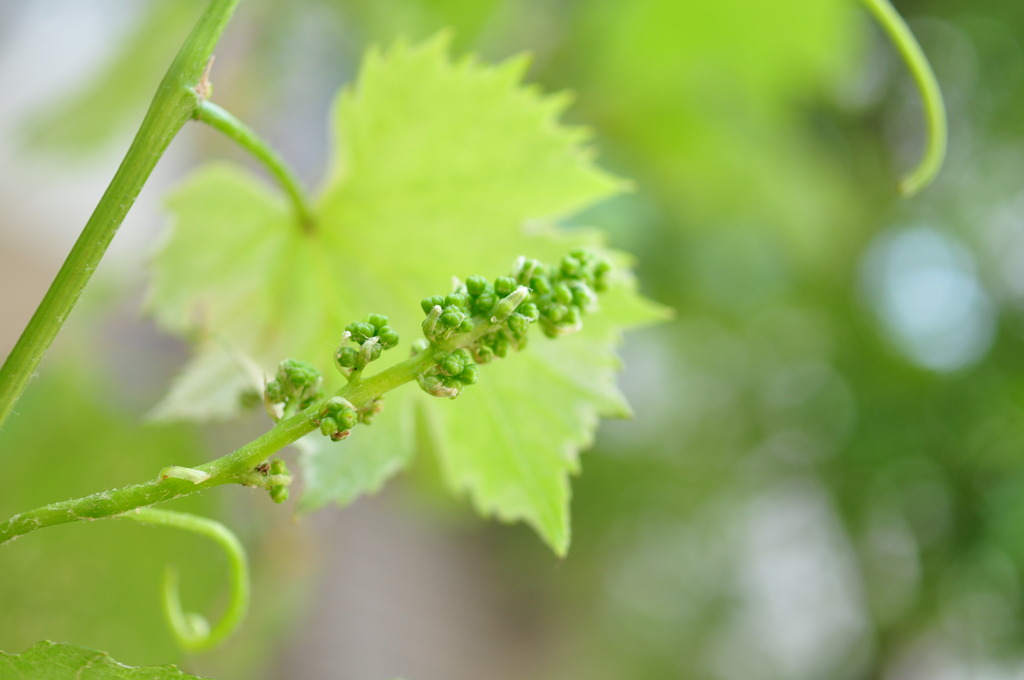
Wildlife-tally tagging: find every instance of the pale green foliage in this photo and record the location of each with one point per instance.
(440, 168)
(60, 661)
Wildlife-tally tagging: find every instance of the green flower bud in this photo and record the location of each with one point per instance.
(388, 336)
(378, 321)
(570, 266)
(279, 494)
(485, 302)
(553, 312)
(466, 326)
(452, 317)
(278, 467)
(347, 419)
(529, 310)
(504, 285)
(573, 316)
(452, 364)
(583, 297)
(469, 374)
(563, 293)
(484, 354)
(525, 269)
(419, 345)
(429, 303)
(459, 300)
(347, 357)
(583, 255)
(328, 426)
(274, 392)
(517, 323)
(501, 345)
(361, 331)
(476, 285)
(541, 285)
(602, 272)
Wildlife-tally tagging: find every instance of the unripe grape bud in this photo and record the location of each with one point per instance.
(570, 266)
(602, 272)
(476, 285)
(485, 302)
(273, 392)
(388, 336)
(347, 419)
(563, 293)
(517, 323)
(466, 326)
(361, 331)
(456, 300)
(501, 345)
(378, 321)
(429, 303)
(525, 269)
(484, 354)
(279, 494)
(503, 285)
(452, 364)
(469, 374)
(529, 310)
(347, 357)
(278, 467)
(328, 426)
(452, 317)
(583, 297)
(541, 285)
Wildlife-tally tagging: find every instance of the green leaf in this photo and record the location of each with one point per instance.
(59, 661)
(440, 168)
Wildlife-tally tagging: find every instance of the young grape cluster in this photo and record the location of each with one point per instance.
(481, 320)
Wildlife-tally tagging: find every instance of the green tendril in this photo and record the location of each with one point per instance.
(191, 630)
(931, 96)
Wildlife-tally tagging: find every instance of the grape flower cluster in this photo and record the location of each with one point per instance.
(482, 320)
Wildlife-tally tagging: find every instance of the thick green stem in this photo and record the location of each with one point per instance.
(174, 104)
(931, 96)
(213, 115)
(234, 468)
(191, 630)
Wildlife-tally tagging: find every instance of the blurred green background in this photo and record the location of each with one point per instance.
(825, 476)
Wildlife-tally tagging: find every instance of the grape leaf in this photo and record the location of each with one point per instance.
(59, 661)
(440, 168)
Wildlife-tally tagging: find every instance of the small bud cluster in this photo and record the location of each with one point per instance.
(451, 372)
(556, 297)
(277, 479)
(296, 386)
(369, 338)
(337, 418)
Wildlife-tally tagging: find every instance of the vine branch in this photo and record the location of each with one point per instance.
(173, 105)
(234, 468)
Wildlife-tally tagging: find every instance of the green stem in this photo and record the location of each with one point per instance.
(222, 120)
(234, 468)
(173, 105)
(191, 630)
(931, 96)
